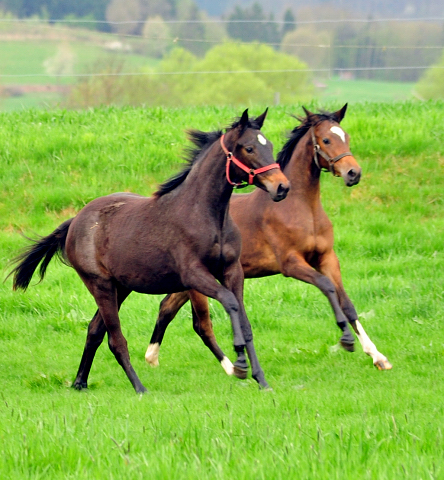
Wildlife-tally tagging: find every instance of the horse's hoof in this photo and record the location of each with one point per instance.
(79, 385)
(153, 364)
(350, 347)
(265, 388)
(383, 364)
(240, 372)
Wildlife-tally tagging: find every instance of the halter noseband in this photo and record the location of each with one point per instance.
(331, 161)
(251, 172)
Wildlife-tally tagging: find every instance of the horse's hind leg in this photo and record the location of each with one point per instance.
(108, 299)
(94, 338)
(202, 325)
(330, 267)
(168, 309)
(296, 267)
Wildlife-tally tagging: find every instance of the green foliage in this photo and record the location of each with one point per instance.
(289, 22)
(55, 9)
(385, 48)
(251, 81)
(431, 84)
(183, 79)
(259, 30)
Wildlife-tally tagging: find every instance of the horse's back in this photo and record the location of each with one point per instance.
(93, 227)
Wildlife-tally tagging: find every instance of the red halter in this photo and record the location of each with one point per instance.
(251, 172)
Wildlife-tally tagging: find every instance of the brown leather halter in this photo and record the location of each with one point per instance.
(251, 172)
(331, 161)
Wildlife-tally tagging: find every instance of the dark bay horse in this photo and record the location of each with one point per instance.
(181, 238)
(294, 238)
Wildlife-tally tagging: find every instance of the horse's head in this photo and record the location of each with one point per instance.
(331, 147)
(250, 157)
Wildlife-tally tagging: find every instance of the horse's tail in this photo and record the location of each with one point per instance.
(41, 250)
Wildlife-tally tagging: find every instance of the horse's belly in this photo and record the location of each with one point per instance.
(153, 284)
(259, 264)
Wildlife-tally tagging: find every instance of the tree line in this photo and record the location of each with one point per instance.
(371, 50)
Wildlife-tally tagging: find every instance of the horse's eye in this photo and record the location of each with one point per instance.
(249, 149)
(326, 141)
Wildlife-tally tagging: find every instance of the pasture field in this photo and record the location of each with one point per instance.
(331, 414)
(366, 90)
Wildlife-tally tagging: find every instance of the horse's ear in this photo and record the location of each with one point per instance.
(307, 112)
(340, 114)
(243, 122)
(261, 118)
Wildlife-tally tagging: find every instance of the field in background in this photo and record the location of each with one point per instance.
(330, 415)
(365, 91)
(23, 70)
(44, 55)
(331, 90)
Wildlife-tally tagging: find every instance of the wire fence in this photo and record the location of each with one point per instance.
(397, 56)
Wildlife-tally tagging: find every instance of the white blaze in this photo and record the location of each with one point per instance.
(339, 132)
(262, 139)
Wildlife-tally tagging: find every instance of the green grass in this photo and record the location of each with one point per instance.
(17, 58)
(330, 415)
(365, 91)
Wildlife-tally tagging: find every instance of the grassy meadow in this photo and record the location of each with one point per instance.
(331, 414)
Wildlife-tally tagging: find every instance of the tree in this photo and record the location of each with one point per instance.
(108, 88)
(289, 22)
(124, 11)
(250, 24)
(311, 45)
(57, 9)
(158, 36)
(252, 79)
(431, 84)
(190, 32)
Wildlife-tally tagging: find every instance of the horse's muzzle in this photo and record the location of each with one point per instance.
(281, 192)
(352, 177)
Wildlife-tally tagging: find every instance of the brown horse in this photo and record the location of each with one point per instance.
(294, 238)
(182, 238)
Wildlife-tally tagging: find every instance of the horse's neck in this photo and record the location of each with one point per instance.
(207, 184)
(302, 172)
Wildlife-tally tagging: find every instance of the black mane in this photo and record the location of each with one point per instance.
(298, 132)
(202, 141)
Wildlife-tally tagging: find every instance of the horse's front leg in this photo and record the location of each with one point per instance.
(234, 280)
(200, 279)
(329, 266)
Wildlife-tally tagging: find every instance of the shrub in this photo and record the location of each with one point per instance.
(431, 84)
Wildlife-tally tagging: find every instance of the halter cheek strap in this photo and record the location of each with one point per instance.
(331, 161)
(251, 172)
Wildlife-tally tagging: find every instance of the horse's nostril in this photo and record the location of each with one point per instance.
(282, 190)
(352, 173)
